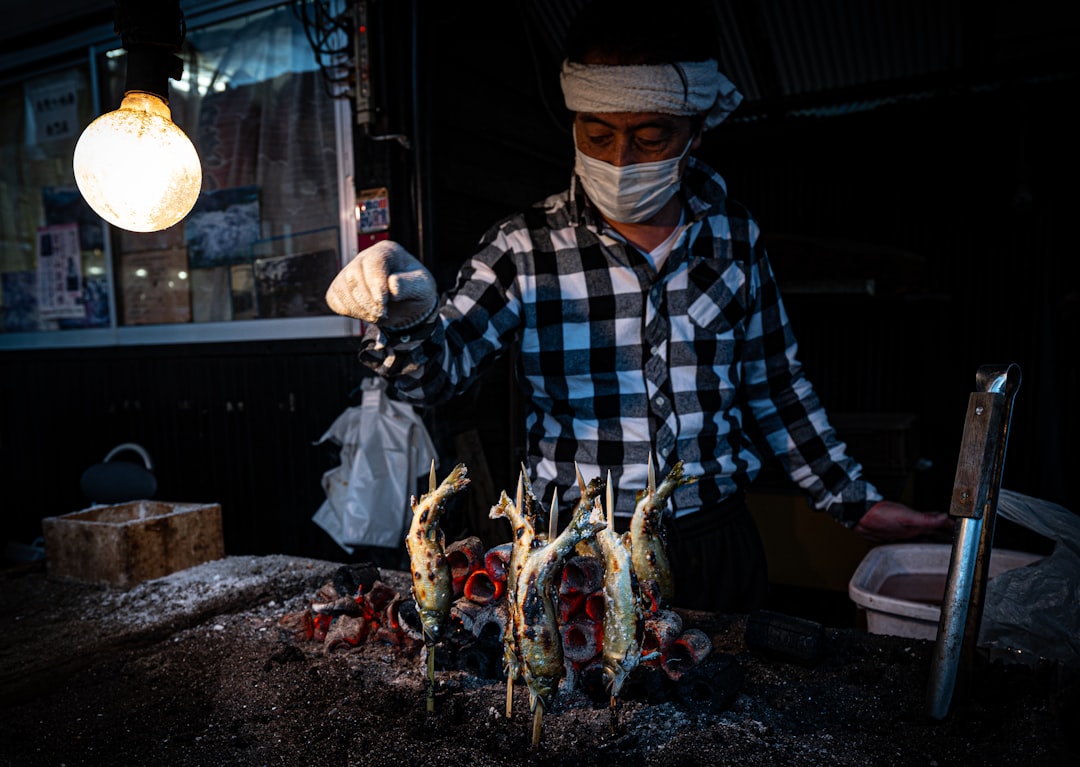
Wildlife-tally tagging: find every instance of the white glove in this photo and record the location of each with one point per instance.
(384, 285)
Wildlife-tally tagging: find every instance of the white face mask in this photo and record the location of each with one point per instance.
(632, 193)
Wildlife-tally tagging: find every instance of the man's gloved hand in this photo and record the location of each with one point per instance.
(386, 286)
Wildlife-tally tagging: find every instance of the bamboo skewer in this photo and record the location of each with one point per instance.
(428, 640)
(609, 502)
(538, 723)
(553, 531)
(510, 676)
(553, 519)
(609, 509)
(430, 676)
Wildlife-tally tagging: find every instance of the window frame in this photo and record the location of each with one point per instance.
(87, 45)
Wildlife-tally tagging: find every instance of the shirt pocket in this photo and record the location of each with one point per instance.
(716, 302)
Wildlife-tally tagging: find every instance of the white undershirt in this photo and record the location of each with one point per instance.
(658, 255)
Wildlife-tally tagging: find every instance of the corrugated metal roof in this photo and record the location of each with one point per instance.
(794, 56)
(828, 56)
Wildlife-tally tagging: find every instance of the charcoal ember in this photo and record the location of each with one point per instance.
(689, 649)
(481, 659)
(388, 635)
(327, 593)
(648, 683)
(714, 683)
(463, 613)
(591, 681)
(570, 605)
(348, 579)
(496, 560)
(581, 640)
(378, 596)
(582, 575)
(346, 632)
(298, 626)
(411, 628)
(320, 626)
(650, 595)
(408, 617)
(339, 606)
(661, 630)
(491, 622)
(464, 557)
(481, 589)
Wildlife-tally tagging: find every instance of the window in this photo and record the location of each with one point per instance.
(273, 223)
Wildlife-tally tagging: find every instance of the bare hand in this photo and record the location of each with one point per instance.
(891, 521)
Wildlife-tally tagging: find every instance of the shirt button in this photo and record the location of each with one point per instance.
(659, 399)
(664, 451)
(655, 351)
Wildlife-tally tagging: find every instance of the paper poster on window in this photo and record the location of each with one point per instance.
(222, 226)
(52, 110)
(242, 286)
(211, 296)
(156, 287)
(59, 272)
(64, 205)
(20, 305)
(294, 286)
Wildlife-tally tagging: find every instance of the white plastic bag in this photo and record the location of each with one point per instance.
(1033, 609)
(384, 449)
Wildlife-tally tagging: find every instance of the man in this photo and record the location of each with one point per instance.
(645, 312)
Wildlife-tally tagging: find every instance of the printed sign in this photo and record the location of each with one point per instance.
(59, 272)
(52, 111)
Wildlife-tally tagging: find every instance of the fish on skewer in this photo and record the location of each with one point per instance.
(527, 518)
(624, 615)
(535, 615)
(648, 537)
(522, 515)
(432, 585)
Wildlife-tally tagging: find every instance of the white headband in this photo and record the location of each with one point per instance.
(651, 88)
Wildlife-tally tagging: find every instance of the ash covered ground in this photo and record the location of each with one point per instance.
(195, 670)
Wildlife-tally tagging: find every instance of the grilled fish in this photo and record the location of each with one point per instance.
(432, 585)
(522, 538)
(648, 538)
(624, 616)
(535, 617)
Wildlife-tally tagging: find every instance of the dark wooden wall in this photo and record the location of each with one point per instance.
(233, 424)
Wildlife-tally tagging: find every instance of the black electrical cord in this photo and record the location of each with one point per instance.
(330, 38)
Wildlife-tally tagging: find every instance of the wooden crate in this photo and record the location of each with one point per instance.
(128, 543)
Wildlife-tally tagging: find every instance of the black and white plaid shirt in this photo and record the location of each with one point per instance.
(618, 360)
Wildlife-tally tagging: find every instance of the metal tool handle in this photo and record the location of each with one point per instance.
(974, 506)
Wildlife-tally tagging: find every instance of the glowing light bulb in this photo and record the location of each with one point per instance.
(135, 168)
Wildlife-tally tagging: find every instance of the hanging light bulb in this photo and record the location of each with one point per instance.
(134, 166)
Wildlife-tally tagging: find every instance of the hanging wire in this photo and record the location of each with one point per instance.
(329, 34)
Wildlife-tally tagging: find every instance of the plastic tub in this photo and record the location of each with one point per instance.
(901, 585)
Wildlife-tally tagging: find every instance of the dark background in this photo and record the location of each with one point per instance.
(926, 148)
